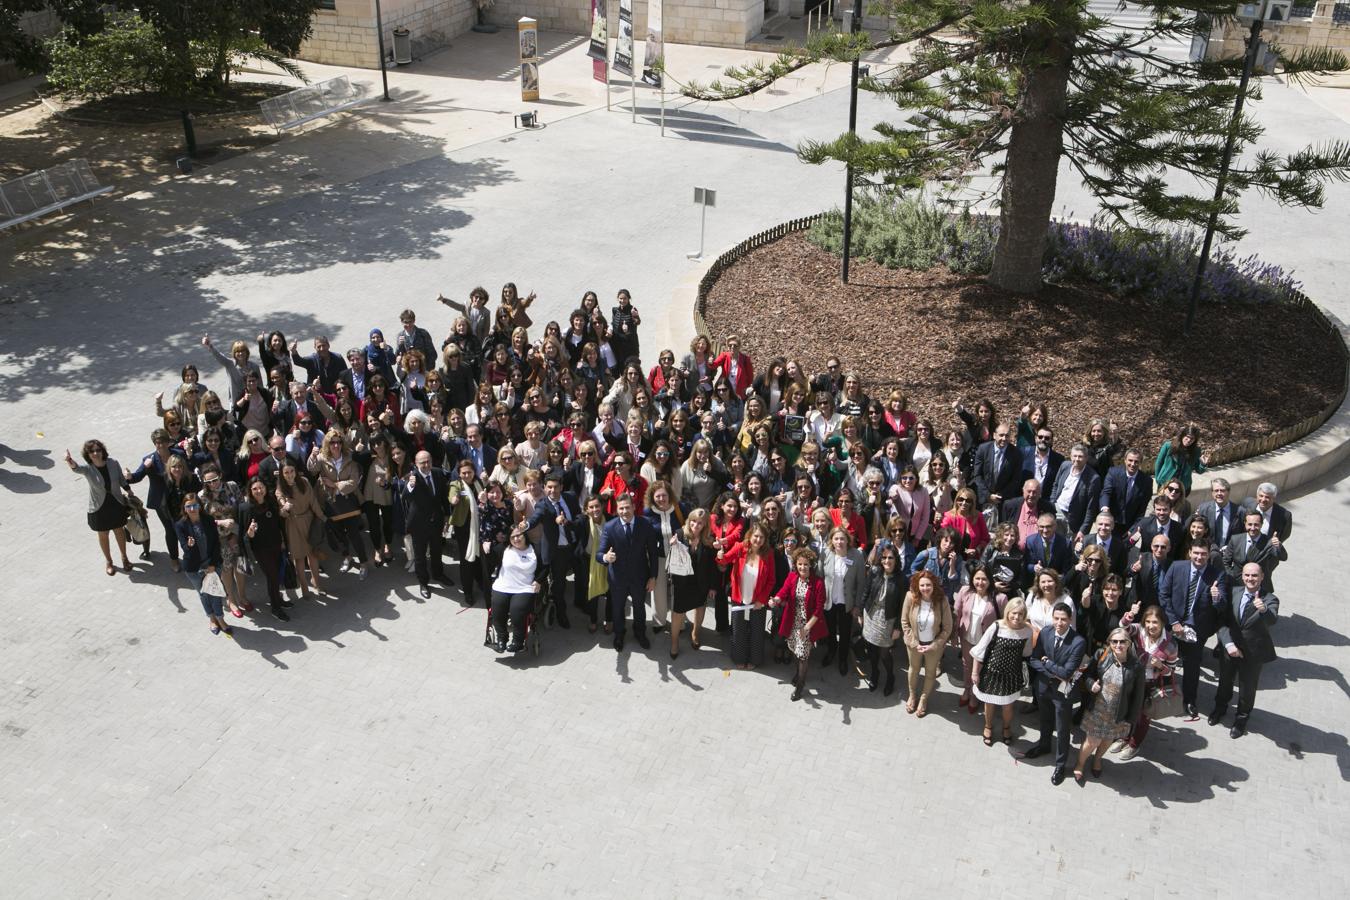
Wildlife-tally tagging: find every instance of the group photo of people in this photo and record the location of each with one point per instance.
(806, 523)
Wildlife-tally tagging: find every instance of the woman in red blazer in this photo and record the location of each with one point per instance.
(752, 579)
(735, 367)
(803, 623)
(727, 527)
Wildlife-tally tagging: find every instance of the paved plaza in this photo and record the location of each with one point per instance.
(371, 747)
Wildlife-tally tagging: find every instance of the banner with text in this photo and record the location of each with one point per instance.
(623, 47)
(654, 58)
(599, 48)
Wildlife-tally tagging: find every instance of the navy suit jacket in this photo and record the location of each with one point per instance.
(545, 515)
(1085, 496)
(1051, 468)
(636, 560)
(1005, 482)
(1204, 615)
(1115, 490)
(1148, 529)
(1061, 554)
(489, 453)
(1061, 665)
(1210, 510)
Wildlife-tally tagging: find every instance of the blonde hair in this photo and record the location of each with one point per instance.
(1015, 604)
(695, 516)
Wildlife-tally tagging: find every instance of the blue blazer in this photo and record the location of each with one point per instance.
(636, 556)
(155, 472)
(202, 553)
(488, 452)
(1060, 559)
(545, 515)
(1204, 616)
(1116, 488)
(1061, 665)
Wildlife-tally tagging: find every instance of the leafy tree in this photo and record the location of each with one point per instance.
(1024, 84)
(84, 16)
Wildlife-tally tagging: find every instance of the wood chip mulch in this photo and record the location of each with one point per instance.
(940, 337)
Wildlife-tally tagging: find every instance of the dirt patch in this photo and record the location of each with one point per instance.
(1247, 371)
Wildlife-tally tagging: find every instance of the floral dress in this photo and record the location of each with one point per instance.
(798, 642)
(1100, 722)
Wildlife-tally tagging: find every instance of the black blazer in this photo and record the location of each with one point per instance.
(1116, 553)
(1125, 508)
(1006, 481)
(1250, 633)
(1148, 528)
(425, 508)
(545, 515)
(1210, 510)
(1012, 509)
(1061, 665)
(1281, 519)
(1236, 555)
(1132, 686)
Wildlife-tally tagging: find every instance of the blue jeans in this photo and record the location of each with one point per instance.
(214, 606)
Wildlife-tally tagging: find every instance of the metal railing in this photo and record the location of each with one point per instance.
(1221, 455)
(34, 195)
(313, 101)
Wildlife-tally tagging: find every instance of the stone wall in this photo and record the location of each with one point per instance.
(717, 23)
(38, 24)
(345, 36)
(1228, 39)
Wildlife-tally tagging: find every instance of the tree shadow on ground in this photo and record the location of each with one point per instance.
(134, 311)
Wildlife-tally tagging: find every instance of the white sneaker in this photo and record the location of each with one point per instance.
(1119, 746)
(1129, 752)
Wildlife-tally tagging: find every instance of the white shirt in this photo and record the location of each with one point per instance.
(1066, 495)
(517, 573)
(977, 608)
(925, 618)
(749, 575)
(834, 582)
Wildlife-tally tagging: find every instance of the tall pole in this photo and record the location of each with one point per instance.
(855, 27)
(1253, 48)
(379, 39)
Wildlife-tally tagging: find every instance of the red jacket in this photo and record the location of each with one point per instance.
(637, 487)
(745, 371)
(815, 606)
(764, 579)
(728, 533)
(856, 526)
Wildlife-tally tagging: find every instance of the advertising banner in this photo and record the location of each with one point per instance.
(623, 47)
(656, 50)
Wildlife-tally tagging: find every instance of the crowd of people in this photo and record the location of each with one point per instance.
(815, 521)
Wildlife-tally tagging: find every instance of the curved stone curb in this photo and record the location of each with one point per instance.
(1287, 467)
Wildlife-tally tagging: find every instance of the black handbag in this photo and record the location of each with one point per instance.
(343, 507)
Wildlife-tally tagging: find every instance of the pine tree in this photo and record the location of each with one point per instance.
(1020, 85)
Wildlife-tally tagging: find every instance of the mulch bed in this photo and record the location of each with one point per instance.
(150, 108)
(940, 337)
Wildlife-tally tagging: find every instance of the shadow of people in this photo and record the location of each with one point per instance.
(37, 458)
(1300, 631)
(1284, 670)
(268, 643)
(23, 482)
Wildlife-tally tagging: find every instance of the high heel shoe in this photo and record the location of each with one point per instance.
(988, 737)
(923, 708)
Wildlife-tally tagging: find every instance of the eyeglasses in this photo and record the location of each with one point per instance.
(191, 506)
(506, 457)
(281, 449)
(897, 531)
(211, 481)
(252, 440)
(962, 502)
(831, 366)
(588, 453)
(1119, 643)
(304, 422)
(909, 478)
(661, 454)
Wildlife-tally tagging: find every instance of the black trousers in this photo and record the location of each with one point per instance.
(270, 561)
(170, 536)
(1247, 672)
(618, 599)
(471, 573)
(380, 521)
(747, 636)
(428, 547)
(352, 531)
(1056, 714)
(841, 625)
(514, 607)
(1191, 653)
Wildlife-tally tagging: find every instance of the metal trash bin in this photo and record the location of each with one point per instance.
(402, 46)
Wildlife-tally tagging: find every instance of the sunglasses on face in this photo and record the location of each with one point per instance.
(191, 506)
(252, 440)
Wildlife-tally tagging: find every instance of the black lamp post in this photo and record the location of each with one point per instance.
(379, 37)
(1253, 48)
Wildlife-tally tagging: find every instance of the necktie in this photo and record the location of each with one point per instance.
(1193, 591)
(1129, 490)
(628, 530)
(1246, 598)
(998, 461)
(1059, 641)
(1157, 576)
(1046, 552)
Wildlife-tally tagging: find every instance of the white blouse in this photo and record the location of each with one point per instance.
(926, 620)
(749, 575)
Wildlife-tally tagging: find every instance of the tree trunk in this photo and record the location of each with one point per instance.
(1032, 168)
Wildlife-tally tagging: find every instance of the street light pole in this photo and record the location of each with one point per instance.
(855, 27)
(1253, 48)
(379, 37)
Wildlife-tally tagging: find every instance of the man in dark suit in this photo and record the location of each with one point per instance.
(473, 448)
(1251, 546)
(1277, 522)
(1244, 646)
(1077, 489)
(1047, 548)
(1126, 491)
(998, 469)
(1223, 516)
(1149, 571)
(1054, 661)
(289, 411)
(557, 516)
(1192, 593)
(587, 474)
(1141, 533)
(269, 469)
(426, 504)
(1115, 547)
(1042, 462)
(628, 545)
(1025, 510)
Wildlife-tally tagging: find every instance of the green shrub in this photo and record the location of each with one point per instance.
(128, 56)
(907, 233)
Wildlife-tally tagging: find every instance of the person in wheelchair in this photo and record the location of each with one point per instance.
(514, 591)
